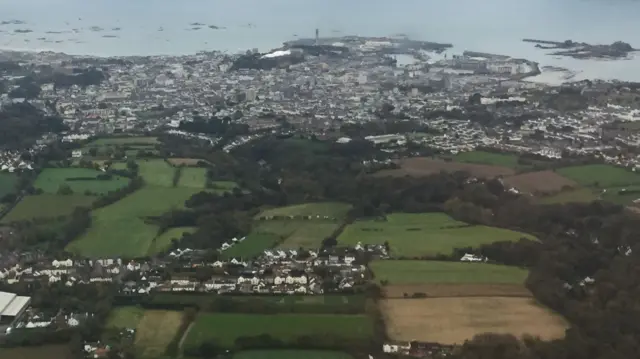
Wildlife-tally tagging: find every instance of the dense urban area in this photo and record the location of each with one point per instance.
(335, 198)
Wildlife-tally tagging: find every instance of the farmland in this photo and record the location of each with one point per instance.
(223, 186)
(120, 228)
(580, 195)
(156, 172)
(425, 234)
(330, 209)
(426, 166)
(46, 206)
(184, 161)
(252, 246)
(224, 329)
(488, 158)
(454, 320)
(122, 141)
(192, 177)
(599, 175)
(431, 272)
(8, 182)
(290, 354)
(80, 180)
(125, 317)
(296, 233)
(164, 240)
(540, 182)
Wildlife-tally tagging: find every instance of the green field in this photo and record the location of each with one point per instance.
(125, 317)
(330, 209)
(622, 195)
(8, 182)
(252, 246)
(193, 177)
(296, 233)
(435, 272)
(488, 158)
(601, 176)
(424, 234)
(163, 241)
(121, 141)
(224, 186)
(291, 354)
(224, 329)
(156, 172)
(580, 195)
(50, 179)
(46, 206)
(120, 229)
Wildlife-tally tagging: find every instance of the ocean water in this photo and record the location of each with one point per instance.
(496, 26)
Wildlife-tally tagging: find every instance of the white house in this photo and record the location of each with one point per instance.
(472, 258)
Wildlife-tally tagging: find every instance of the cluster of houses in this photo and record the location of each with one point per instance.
(417, 349)
(11, 161)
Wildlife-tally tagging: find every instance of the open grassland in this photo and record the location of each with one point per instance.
(252, 246)
(426, 166)
(46, 206)
(50, 179)
(435, 272)
(224, 329)
(424, 234)
(540, 182)
(121, 141)
(322, 209)
(446, 290)
(163, 241)
(454, 320)
(39, 352)
(600, 175)
(580, 195)
(488, 158)
(8, 182)
(120, 228)
(156, 172)
(291, 354)
(125, 317)
(193, 177)
(155, 331)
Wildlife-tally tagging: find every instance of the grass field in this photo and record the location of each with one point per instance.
(252, 246)
(449, 290)
(193, 177)
(540, 182)
(125, 317)
(600, 175)
(120, 229)
(224, 329)
(46, 206)
(427, 166)
(622, 195)
(424, 234)
(50, 179)
(113, 141)
(38, 352)
(431, 272)
(296, 233)
(185, 161)
(580, 195)
(163, 241)
(224, 186)
(155, 330)
(156, 172)
(454, 320)
(8, 182)
(488, 158)
(330, 209)
(291, 354)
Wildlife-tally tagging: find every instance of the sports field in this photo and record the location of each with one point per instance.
(47, 206)
(291, 354)
(488, 158)
(599, 175)
(431, 272)
(79, 180)
(8, 182)
(120, 229)
(424, 234)
(193, 177)
(156, 172)
(252, 246)
(224, 329)
(322, 209)
(454, 320)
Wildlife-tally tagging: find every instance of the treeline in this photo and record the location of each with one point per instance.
(114, 196)
(21, 124)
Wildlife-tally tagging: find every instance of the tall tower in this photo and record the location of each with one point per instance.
(317, 37)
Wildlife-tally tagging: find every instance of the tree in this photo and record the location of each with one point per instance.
(65, 190)
(93, 151)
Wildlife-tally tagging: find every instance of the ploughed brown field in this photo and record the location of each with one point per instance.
(540, 182)
(40, 352)
(443, 290)
(454, 320)
(425, 166)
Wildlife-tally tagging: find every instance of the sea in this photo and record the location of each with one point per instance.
(169, 27)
